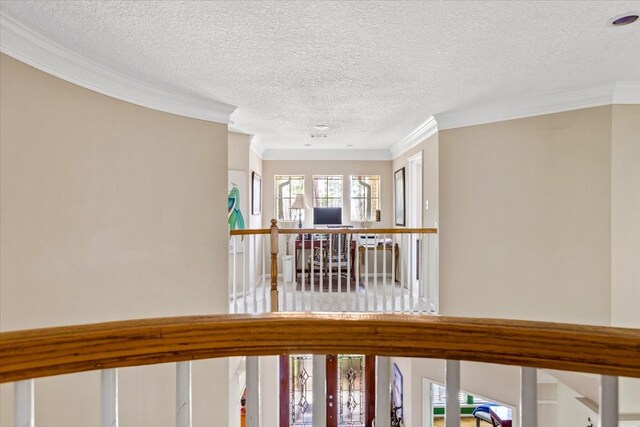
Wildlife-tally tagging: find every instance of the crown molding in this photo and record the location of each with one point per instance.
(27, 46)
(258, 147)
(623, 92)
(626, 92)
(284, 154)
(422, 132)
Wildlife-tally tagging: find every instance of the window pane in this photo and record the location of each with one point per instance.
(287, 187)
(327, 191)
(365, 197)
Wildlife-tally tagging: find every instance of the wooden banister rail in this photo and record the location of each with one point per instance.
(63, 350)
(336, 231)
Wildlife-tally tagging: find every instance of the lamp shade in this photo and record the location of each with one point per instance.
(300, 202)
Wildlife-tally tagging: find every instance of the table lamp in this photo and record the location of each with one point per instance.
(299, 204)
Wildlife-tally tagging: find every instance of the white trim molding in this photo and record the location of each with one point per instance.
(422, 132)
(624, 92)
(30, 47)
(258, 147)
(346, 154)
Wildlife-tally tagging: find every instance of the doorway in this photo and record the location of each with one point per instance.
(414, 220)
(349, 398)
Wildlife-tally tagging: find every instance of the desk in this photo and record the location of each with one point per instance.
(318, 243)
(501, 415)
(362, 250)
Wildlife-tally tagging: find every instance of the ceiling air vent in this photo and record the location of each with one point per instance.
(319, 135)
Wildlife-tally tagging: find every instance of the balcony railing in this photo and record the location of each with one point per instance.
(337, 269)
(608, 351)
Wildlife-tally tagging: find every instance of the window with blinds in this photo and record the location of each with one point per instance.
(439, 395)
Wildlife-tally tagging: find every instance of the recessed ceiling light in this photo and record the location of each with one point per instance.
(321, 127)
(307, 145)
(349, 145)
(624, 20)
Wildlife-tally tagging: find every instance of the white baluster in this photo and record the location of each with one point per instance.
(302, 288)
(403, 254)
(396, 304)
(265, 292)
(253, 391)
(109, 397)
(183, 394)
(452, 384)
(608, 401)
(244, 274)
(234, 307)
(366, 273)
(528, 397)
(383, 391)
(375, 274)
(253, 271)
(330, 268)
(24, 403)
(384, 273)
(318, 391)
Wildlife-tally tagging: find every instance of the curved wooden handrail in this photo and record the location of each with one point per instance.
(337, 231)
(62, 350)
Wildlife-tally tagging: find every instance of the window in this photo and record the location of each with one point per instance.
(287, 187)
(327, 191)
(365, 197)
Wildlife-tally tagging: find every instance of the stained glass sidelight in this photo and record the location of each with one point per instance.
(300, 387)
(351, 391)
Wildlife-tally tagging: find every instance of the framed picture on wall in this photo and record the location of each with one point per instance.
(256, 194)
(398, 192)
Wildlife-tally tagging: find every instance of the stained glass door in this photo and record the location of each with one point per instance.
(350, 390)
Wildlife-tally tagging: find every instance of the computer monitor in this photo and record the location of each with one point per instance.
(327, 216)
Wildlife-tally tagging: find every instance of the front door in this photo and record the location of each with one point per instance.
(350, 391)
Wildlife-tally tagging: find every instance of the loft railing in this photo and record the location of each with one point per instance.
(608, 351)
(337, 269)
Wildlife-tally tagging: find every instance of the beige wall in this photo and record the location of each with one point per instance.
(625, 216)
(346, 168)
(525, 218)
(108, 211)
(429, 149)
(625, 233)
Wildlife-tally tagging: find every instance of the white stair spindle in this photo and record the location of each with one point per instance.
(375, 275)
(234, 289)
(383, 391)
(183, 394)
(452, 384)
(528, 397)
(366, 274)
(319, 390)
(24, 403)
(109, 398)
(384, 273)
(608, 401)
(253, 391)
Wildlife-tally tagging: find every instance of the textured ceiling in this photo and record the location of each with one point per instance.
(372, 71)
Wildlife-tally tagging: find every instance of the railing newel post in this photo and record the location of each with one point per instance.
(274, 265)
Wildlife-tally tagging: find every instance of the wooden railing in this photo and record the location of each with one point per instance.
(62, 350)
(29, 354)
(397, 278)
